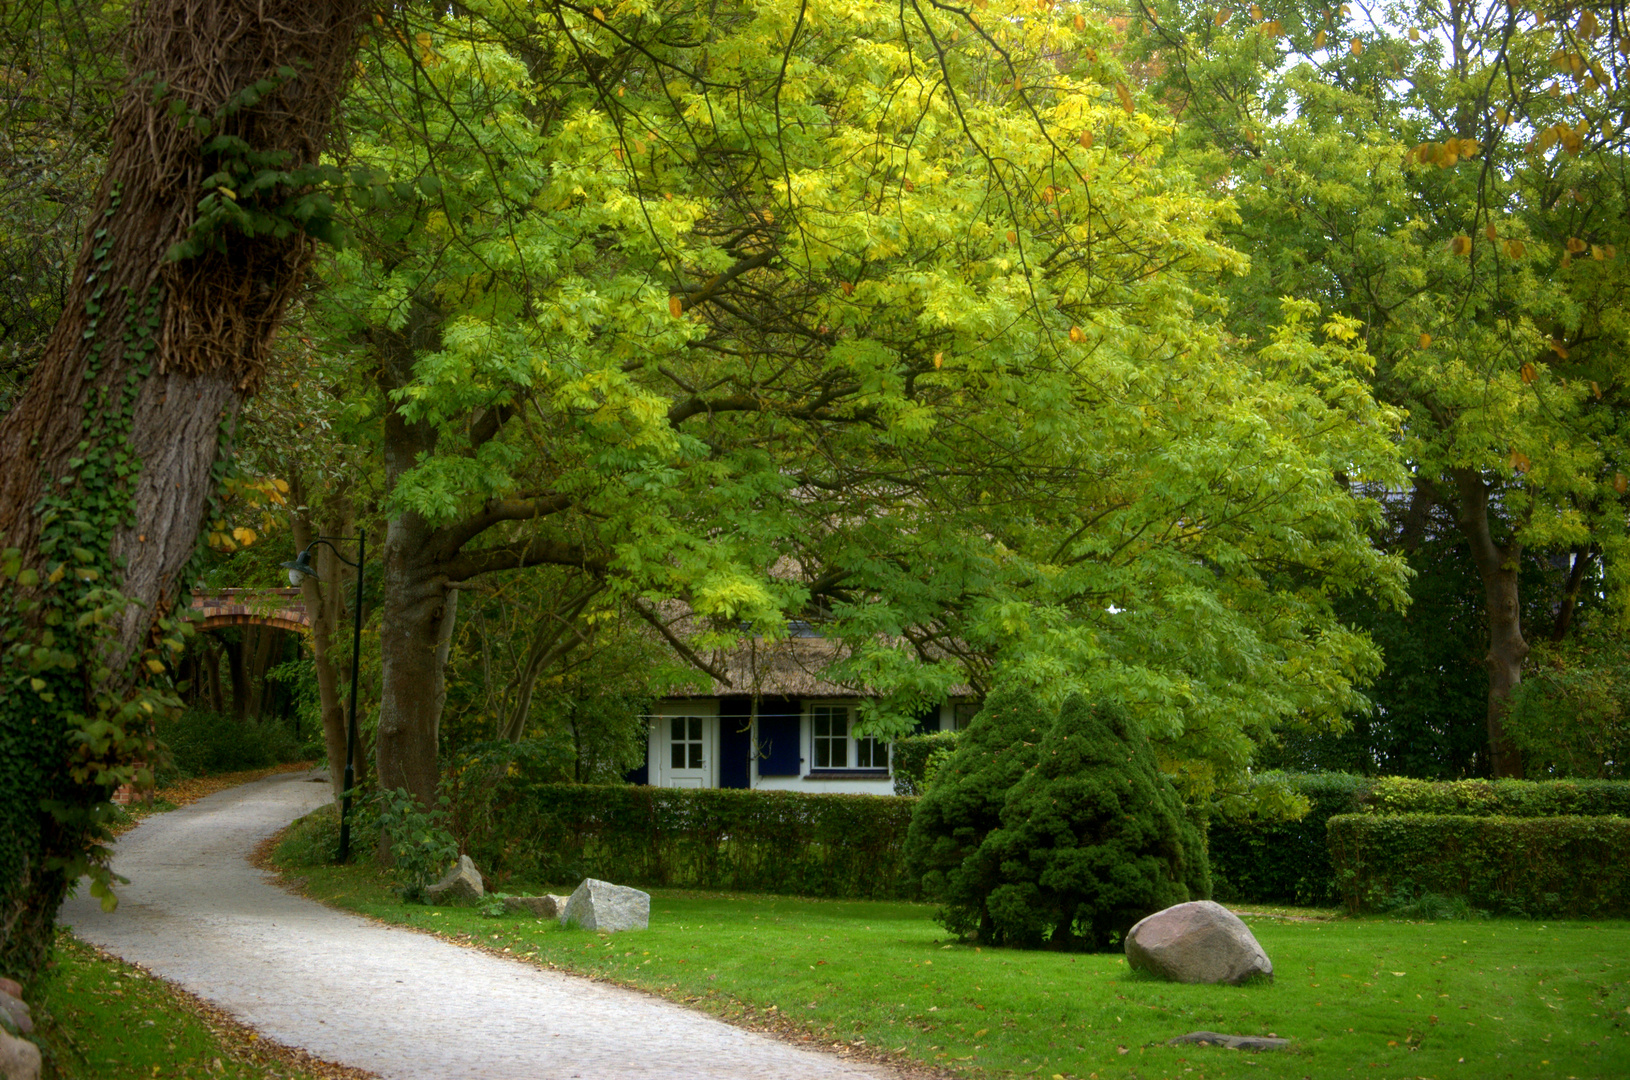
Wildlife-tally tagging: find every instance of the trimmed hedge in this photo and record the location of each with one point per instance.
(713, 838)
(1286, 862)
(1507, 798)
(1536, 866)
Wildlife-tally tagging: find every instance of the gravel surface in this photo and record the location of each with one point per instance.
(404, 1005)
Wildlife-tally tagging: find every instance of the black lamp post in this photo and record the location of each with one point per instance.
(298, 570)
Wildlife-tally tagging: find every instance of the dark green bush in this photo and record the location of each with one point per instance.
(964, 804)
(1285, 862)
(911, 756)
(1536, 866)
(1508, 798)
(1093, 838)
(521, 832)
(200, 743)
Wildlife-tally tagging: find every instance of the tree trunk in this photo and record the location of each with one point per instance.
(111, 447)
(326, 602)
(1497, 565)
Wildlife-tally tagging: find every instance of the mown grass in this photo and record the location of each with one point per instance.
(1362, 997)
(97, 1018)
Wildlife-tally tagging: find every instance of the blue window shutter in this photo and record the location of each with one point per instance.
(779, 752)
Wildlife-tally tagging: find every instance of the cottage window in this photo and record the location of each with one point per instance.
(836, 746)
(686, 746)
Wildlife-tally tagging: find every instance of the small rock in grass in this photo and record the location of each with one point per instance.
(19, 1058)
(1232, 1042)
(1196, 942)
(11, 986)
(460, 885)
(541, 907)
(600, 905)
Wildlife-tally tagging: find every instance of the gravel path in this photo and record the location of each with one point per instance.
(404, 1005)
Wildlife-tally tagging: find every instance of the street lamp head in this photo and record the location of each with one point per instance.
(300, 568)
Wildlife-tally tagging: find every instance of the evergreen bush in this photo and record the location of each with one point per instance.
(1093, 838)
(964, 804)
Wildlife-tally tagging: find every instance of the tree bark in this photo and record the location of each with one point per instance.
(326, 602)
(1497, 566)
(1570, 593)
(120, 425)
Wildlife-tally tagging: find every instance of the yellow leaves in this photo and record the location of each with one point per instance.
(1596, 389)
(1086, 140)
(57, 574)
(1012, 237)
(244, 535)
(939, 360)
(1515, 249)
(1356, 47)
(848, 287)
(155, 666)
(1490, 232)
(1519, 461)
(1273, 28)
(1126, 97)
(676, 305)
(1575, 245)
(1223, 15)
(1504, 116)
(1318, 40)
(281, 485)
(1588, 27)
(599, 16)
(1558, 346)
(1529, 373)
(1601, 252)
(1080, 22)
(1460, 245)
(1414, 34)
(1077, 335)
(1446, 154)
(1620, 483)
(1256, 13)
(1425, 341)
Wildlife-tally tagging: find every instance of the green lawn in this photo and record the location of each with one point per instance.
(97, 1018)
(1370, 997)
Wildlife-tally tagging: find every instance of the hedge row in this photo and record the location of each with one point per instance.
(1536, 866)
(1509, 798)
(716, 838)
(1286, 862)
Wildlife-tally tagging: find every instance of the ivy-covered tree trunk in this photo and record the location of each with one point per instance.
(107, 462)
(1497, 566)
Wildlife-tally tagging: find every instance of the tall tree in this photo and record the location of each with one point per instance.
(199, 233)
(1450, 173)
(891, 321)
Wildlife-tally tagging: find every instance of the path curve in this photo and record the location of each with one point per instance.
(402, 1004)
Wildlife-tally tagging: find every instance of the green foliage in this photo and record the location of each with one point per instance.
(1282, 861)
(200, 742)
(964, 804)
(1093, 838)
(1537, 866)
(314, 839)
(1571, 715)
(518, 829)
(420, 845)
(916, 758)
(1497, 798)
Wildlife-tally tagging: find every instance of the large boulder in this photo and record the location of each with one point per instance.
(600, 905)
(540, 907)
(19, 1058)
(15, 1015)
(460, 885)
(1197, 942)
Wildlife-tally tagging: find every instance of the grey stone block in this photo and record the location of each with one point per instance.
(600, 905)
(460, 885)
(1197, 942)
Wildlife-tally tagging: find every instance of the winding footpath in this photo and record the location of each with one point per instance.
(401, 1004)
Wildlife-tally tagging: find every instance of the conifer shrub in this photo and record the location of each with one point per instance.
(964, 804)
(1093, 838)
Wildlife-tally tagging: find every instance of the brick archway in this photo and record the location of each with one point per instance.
(281, 608)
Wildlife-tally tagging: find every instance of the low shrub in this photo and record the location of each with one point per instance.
(1286, 862)
(913, 756)
(519, 831)
(200, 743)
(1536, 866)
(1507, 798)
(421, 848)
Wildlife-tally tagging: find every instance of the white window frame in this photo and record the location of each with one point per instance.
(851, 743)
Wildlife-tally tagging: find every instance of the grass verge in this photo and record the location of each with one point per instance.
(1362, 997)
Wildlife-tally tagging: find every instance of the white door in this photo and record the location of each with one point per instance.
(685, 739)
